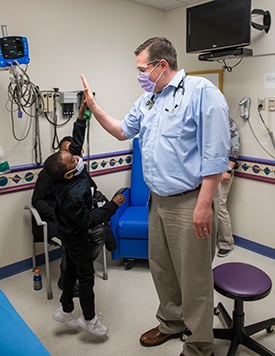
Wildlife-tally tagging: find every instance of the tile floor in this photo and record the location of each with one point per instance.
(128, 302)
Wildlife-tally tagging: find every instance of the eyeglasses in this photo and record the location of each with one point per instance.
(143, 69)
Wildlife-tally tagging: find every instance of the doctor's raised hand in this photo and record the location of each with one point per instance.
(88, 94)
(109, 123)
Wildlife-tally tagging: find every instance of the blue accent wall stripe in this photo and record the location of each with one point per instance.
(25, 265)
(255, 247)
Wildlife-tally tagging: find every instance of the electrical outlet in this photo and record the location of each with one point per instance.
(271, 104)
(261, 104)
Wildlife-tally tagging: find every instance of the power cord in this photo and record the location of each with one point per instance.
(227, 67)
(269, 132)
(53, 120)
(22, 93)
(37, 139)
(22, 96)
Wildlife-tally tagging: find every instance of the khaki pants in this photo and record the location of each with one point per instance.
(224, 237)
(181, 267)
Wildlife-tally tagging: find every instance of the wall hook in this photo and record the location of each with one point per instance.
(266, 20)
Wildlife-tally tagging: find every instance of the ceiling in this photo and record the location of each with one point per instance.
(164, 4)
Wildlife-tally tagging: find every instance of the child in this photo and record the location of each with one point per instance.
(43, 198)
(75, 217)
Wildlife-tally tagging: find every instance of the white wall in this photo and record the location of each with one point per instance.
(67, 38)
(98, 38)
(251, 202)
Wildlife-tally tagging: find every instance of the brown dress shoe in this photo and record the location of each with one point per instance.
(182, 354)
(154, 337)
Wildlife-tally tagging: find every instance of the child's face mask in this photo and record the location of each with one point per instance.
(79, 167)
(75, 171)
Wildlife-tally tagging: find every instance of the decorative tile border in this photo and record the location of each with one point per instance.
(256, 169)
(24, 177)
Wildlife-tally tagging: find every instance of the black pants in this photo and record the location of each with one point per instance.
(79, 265)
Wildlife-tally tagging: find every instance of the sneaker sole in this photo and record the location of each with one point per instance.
(82, 324)
(61, 320)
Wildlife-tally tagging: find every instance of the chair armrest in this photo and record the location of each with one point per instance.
(36, 215)
(55, 241)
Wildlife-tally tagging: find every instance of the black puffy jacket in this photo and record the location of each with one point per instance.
(75, 213)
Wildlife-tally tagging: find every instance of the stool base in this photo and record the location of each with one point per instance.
(239, 334)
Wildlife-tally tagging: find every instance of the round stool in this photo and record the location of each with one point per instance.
(241, 282)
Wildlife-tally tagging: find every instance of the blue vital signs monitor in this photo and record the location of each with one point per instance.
(13, 50)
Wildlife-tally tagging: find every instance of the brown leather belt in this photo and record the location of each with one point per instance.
(186, 192)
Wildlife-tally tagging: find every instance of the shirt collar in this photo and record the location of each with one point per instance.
(176, 79)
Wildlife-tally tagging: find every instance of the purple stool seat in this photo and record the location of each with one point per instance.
(241, 282)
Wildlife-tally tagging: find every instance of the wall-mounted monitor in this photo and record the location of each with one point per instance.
(13, 50)
(217, 25)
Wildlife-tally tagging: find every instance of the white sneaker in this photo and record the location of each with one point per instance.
(66, 318)
(94, 326)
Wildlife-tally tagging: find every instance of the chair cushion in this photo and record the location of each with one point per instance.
(133, 223)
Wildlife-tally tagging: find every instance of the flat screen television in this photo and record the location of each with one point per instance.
(217, 25)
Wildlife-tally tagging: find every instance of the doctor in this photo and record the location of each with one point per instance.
(182, 123)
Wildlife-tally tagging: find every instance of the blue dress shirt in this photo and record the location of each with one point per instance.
(183, 133)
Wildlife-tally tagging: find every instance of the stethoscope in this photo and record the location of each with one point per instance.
(151, 101)
(175, 106)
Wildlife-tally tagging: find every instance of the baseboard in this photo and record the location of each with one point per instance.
(255, 247)
(55, 254)
(25, 265)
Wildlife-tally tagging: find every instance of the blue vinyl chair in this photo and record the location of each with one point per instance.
(130, 223)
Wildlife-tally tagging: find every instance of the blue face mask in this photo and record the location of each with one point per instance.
(145, 82)
(79, 167)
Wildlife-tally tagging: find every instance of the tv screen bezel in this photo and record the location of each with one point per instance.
(242, 42)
